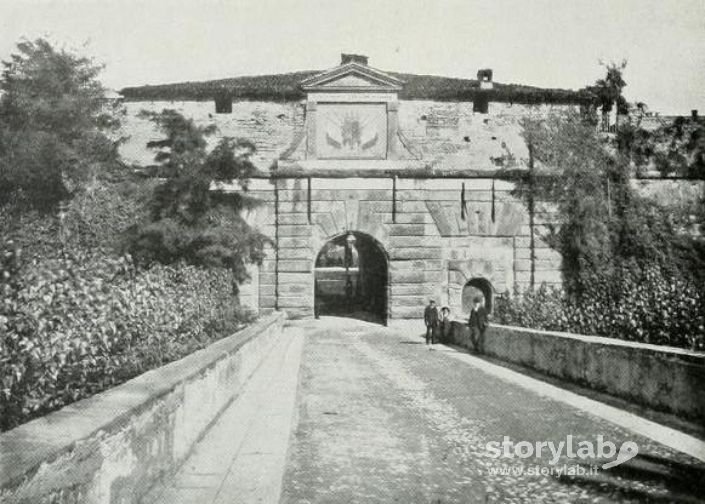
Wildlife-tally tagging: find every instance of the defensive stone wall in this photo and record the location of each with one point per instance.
(445, 135)
(449, 135)
(271, 126)
(112, 447)
(661, 378)
(438, 233)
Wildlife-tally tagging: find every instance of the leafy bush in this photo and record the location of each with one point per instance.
(99, 215)
(76, 318)
(650, 306)
(76, 324)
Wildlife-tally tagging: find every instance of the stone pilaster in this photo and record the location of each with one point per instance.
(311, 130)
(393, 130)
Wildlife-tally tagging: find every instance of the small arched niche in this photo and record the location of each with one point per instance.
(477, 287)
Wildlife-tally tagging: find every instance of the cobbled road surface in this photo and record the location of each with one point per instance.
(381, 418)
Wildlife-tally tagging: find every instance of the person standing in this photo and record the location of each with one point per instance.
(445, 325)
(430, 318)
(478, 324)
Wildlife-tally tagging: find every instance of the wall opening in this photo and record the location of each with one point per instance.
(351, 278)
(477, 287)
(481, 103)
(223, 103)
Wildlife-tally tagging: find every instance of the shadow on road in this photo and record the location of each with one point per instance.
(680, 482)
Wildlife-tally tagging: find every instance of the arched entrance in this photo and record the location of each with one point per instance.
(478, 287)
(351, 278)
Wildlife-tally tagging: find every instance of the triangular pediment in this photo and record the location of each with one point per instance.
(352, 77)
(350, 80)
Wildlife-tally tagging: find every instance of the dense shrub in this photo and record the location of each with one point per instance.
(100, 215)
(650, 306)
(76, 316)
(78, 323)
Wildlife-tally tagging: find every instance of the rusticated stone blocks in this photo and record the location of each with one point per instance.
(432, 247)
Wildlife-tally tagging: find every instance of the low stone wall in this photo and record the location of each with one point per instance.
(112, 447)
(661, 378)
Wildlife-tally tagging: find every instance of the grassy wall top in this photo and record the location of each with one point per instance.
(285, 87)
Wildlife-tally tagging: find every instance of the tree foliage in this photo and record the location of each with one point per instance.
(53, 124)
(75, 318)
(570, 172)
(194, 217)
(630, 267)
(608, 90)
(604, 224)
(675, 149)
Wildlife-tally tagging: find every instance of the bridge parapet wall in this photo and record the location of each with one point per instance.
(661, 378)
(112, 447)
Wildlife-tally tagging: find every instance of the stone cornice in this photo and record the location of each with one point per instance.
(378, 80)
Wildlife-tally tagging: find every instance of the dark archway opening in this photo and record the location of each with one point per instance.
(478, 287)
(351, 278)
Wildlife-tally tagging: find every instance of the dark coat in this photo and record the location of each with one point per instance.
(430, 316)
(478, 319)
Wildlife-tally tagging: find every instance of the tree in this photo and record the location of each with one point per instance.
(629, 269)
(193, 218)
(605, 227)
(570, 171)
(53, 124)
(608, 90)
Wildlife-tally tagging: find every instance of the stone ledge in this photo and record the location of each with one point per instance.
(659, 377)
(661, 350)
(133, 432)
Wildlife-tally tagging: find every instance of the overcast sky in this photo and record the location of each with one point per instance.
(551, 43)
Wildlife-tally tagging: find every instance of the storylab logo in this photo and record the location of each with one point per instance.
(555, 452)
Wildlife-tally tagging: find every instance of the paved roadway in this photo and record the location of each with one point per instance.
(383, 419)
(345, 411)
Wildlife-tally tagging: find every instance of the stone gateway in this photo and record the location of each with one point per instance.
(366, 225)
(377, 203)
